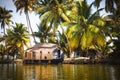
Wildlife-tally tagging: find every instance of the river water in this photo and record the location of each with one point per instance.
(59, 72)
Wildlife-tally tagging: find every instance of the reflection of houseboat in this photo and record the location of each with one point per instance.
(43, 53)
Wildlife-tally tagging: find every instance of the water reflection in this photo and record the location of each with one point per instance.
(59, 72)
(8, 71)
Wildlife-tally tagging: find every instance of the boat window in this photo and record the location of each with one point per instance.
(58, 53)
(40, 51)
(45, 57)
(34, 54)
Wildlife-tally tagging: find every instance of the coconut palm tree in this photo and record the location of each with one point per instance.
(18, 37)
(5, 16)
(26, 6)
(52, 12)
(85, 29)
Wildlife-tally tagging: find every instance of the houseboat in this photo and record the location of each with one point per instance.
(40, 53)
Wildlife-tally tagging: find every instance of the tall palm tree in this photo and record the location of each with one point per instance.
(26, 6)
(18, 37)
(5, 16)
(87, 26)
(52, 11)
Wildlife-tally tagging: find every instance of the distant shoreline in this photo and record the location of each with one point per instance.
(68, 61)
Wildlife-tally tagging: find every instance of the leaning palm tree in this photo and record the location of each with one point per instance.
(5, 16)
(26, 6)
(18, 37)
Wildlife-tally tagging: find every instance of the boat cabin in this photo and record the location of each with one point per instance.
(43, 53)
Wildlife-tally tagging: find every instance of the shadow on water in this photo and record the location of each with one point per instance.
(59, 72)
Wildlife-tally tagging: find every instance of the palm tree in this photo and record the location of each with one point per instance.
(5, 16)
(26, 6)
(12, 50)
(18, 37)
(43, 32)
(63, 42)
(52, 12)
(110, 5)
(2, 50)
(2, 38)
(85, 29)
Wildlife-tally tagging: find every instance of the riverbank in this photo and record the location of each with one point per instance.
(82, 60)
(79, 60)
(5, 61)
(10, 61)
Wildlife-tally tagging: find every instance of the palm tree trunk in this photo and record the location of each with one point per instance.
(68, 42)
(29, 25)
(4, 31)
(5, 43)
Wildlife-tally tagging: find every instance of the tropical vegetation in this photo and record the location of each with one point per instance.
(17, 38)
(5, 17)
(71, 24)
(26, 6)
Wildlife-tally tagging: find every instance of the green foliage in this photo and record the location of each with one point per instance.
(44, 32)
(52, 12)
(2, 50)
(17, 37)
(26, 6)
(85, 30)
(5, 17)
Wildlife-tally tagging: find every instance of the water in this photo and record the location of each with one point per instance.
(59, 72)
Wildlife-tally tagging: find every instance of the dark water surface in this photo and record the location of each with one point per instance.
(59, 72)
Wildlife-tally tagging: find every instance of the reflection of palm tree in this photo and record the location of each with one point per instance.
(5, 17)
(18, 37)
(26, 5)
